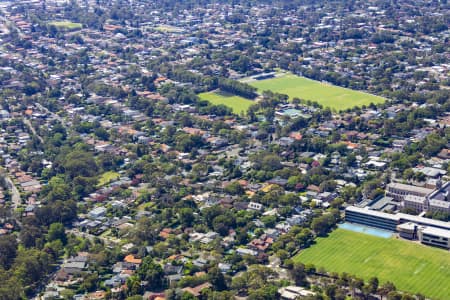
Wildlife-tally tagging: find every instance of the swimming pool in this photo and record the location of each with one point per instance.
(367, 230)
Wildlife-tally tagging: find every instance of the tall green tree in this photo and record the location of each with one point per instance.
(56, 231)
(152, 273)
(217, 279)
(8, 250)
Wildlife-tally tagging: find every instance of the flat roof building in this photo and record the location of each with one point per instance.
(383, 220)
(384, 204)
(294, 292)
(416, 203)
(439, 205)
(430, 172)
(398, 191)
(428, 231)
(371, 218)
(434, 237)
(407, 230)
(423, 221)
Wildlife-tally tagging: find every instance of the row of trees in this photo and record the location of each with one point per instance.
(238, 88)
(336, 286)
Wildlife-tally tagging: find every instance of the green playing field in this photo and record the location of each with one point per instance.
(236, 103)
(67, 25)
(328, 95)
(410, 266)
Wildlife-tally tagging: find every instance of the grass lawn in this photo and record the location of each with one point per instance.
(307, 89)
(411, 267)
(108, 177)
(106, 233)
(168, 28)
(236, 103)
(66, 25)
(143, 206)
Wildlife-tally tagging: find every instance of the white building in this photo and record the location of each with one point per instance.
(434, 236)
(294, 292)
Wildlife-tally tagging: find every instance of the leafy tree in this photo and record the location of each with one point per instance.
(10, 287)
(267, 292)
(187, 296)
(269, 221)
(90, 282)
(8, 250)
(223, 223)
(57, 232)
(241, 237)
(186, 216)
(393, 295)
(298, 273)
(223, 295)
(235, 87)
(373, 285)
(101, 133)
(79, 163)
(57, 211)
(135, 297)
(323, 224)
(217, 279)
(270, 162)
(209, 213)
(234, 188)
(29, 235)
(330, 291)
(152, 273)
(31, 264)
(386, 288)
(57, 189)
